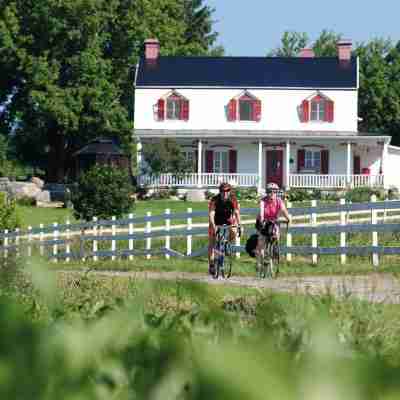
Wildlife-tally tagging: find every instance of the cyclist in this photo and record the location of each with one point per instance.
(223, 209)
(271, 207)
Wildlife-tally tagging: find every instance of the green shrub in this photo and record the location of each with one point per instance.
(26, 201)
(249, 194)
(296, 195)
(363, 194)
(8, 214)
(102, 192)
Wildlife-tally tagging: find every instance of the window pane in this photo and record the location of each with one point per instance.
(245, 110)
(217, 162)
(321, 111)
(308, 159)
(173, 109)
(317, 159)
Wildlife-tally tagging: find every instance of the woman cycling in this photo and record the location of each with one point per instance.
(271, 207)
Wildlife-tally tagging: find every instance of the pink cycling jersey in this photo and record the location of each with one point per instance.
(270, 209)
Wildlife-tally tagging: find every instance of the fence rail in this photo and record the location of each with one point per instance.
(121, 238)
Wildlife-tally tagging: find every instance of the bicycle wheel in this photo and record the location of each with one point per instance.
(269, 262)
(219, 267)
(228, 261)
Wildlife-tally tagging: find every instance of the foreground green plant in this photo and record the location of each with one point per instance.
(92, 338)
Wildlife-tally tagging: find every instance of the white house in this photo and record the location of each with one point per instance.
(255, 120)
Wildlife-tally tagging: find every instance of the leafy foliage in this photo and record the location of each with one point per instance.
(66, 68)
(363, 194)
(165, 157)
(102, 192)
(8, 214)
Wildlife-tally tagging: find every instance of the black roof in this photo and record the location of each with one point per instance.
(279, 72)
(100, 146)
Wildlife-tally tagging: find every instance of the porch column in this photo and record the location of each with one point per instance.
(138, 156)
(259, 186)
(287, 164)
(348, 159)
(383, 162)
(199, 161)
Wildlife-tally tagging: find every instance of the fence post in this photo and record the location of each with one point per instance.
(148, 240)
(130, 232)
(374, 218)
(5, 243)
(342, 234)
(68, 238)
(17, 242)
(41, 237)
(94, 231)
(167, 229)
(189, 229)
(384, 216)
(288, 236)
(55, 237)
(113, 242)
(29, 241)
(314, 237)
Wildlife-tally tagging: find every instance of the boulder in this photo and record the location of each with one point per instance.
(195, 195)
(43, 196)
(24, 189)
(38, 182)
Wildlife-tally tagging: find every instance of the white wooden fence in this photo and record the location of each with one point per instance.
(121, 238)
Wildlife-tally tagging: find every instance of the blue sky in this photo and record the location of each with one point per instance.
(253, 27)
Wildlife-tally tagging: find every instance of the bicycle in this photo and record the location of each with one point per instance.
(268, 266)
(224, 251)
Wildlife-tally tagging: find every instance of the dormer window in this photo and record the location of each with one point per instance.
(317, 108)
(244, 107)
(173, 107)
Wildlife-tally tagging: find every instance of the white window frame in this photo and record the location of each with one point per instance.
(218, 162)
(320, 114)
(312, 160)
(189, 156)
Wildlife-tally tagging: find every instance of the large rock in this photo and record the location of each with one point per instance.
(24, 189)
(43, 196)
(38, 182)
(195, 195)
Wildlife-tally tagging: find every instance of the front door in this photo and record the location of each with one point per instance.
(274, 167)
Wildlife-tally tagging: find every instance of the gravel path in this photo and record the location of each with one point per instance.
(372, 287)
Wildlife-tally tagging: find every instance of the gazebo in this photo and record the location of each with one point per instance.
(103, 151)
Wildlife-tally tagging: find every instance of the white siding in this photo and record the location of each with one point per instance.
(392, 166)
(279, 110)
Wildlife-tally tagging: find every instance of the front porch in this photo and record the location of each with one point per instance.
(315, 163)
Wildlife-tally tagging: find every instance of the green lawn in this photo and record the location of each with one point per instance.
(33, 216)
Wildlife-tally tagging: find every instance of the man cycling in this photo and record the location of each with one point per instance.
(223, 209)
(271, 207)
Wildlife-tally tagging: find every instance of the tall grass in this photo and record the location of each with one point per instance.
(82, 337)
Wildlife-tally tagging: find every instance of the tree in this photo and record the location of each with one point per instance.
(291, 44)
(102, 192)
(66, 68)
(326, 44)
(199, 35)
(166, 157)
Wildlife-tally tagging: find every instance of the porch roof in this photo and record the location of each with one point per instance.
(259, 134)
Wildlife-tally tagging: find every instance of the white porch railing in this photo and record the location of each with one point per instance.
(193, 180)
(334, 181)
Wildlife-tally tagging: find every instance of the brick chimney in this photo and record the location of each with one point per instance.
(344, 49)
(307, 52)
(151, 49)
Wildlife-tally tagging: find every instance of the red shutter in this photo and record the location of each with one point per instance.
(305, 108)
(185, 110)
(161, 109)
(256, 104)
(301, 155)
(329, 111)
(357, 165)
(325, 162)
(232, 161)
(196, 160)
(209, 161)
(232, 110)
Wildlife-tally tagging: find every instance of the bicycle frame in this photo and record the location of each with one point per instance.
(222, 249)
